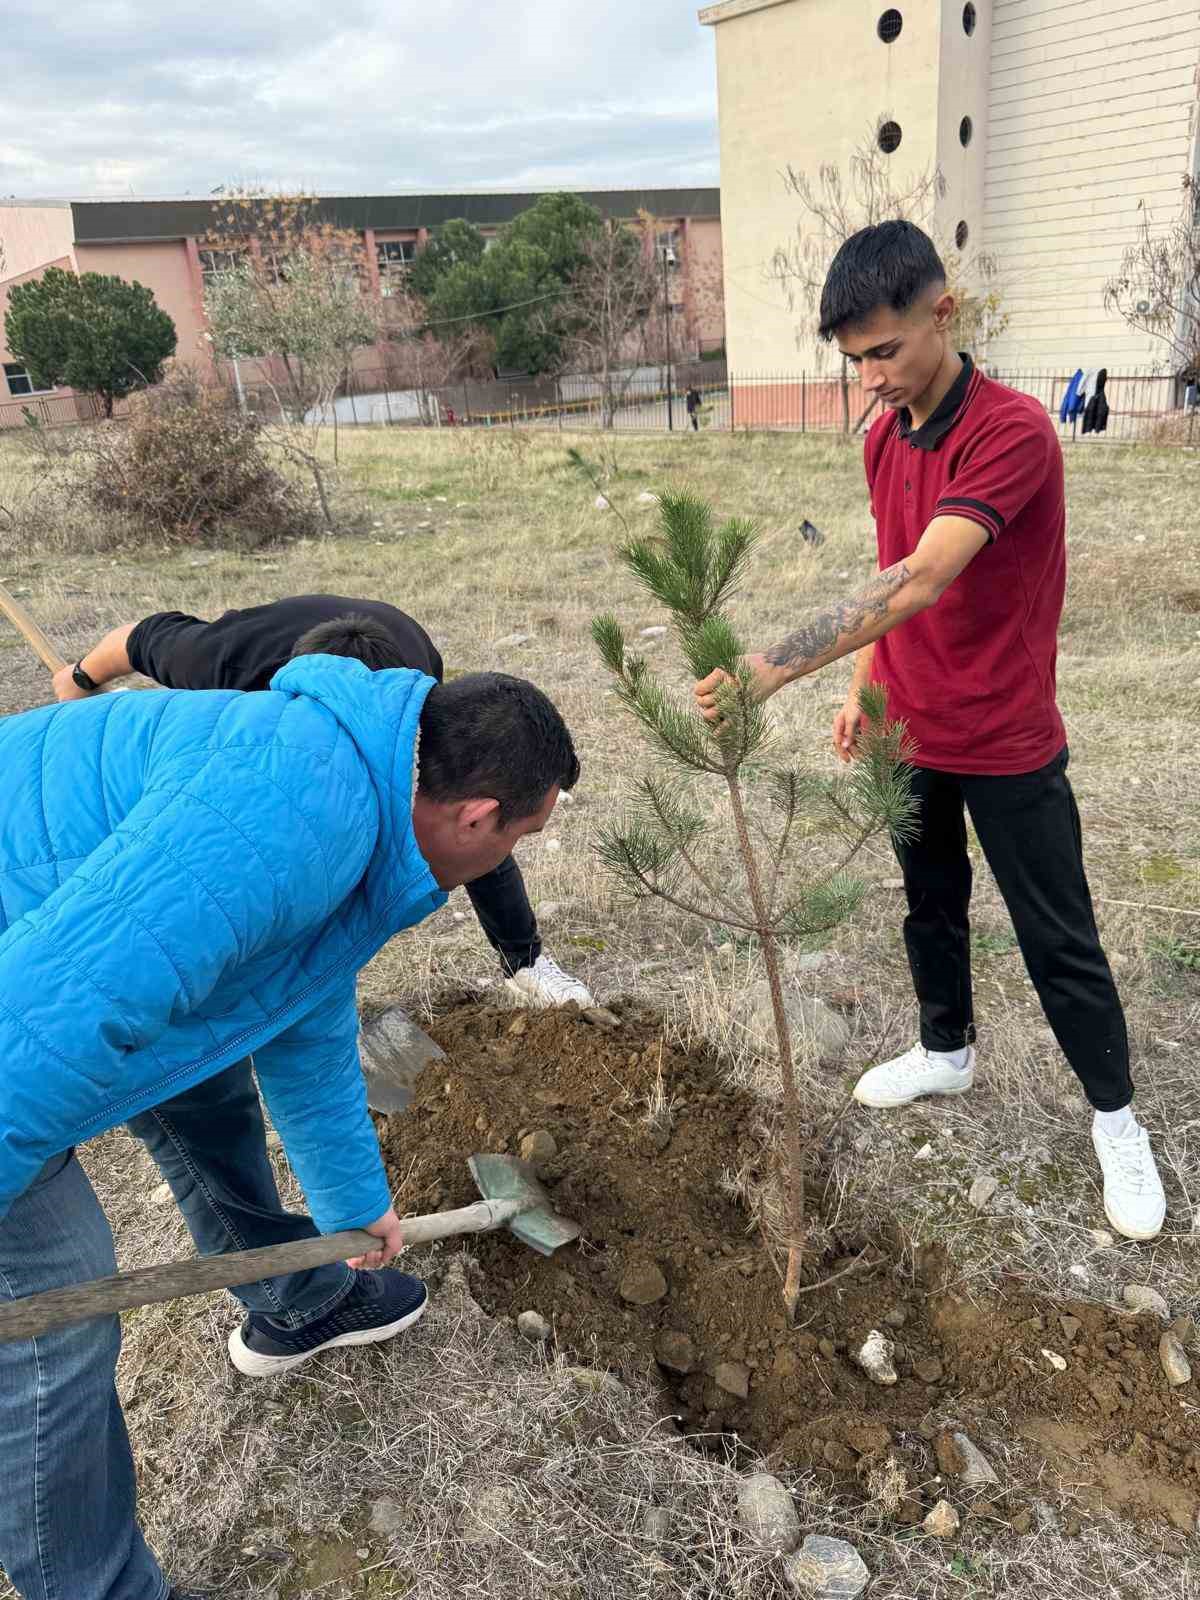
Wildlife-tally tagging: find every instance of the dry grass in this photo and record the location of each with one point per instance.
(485, 535)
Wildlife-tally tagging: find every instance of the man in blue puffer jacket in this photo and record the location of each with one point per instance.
(187, 878)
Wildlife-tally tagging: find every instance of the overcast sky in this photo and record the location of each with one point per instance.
(110, 97)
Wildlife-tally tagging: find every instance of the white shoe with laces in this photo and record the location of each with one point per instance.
(917, 1072)
(1134, 1201)
(546, 984)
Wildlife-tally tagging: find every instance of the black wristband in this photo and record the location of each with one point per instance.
(83, 680)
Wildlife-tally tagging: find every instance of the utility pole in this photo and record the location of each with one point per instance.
(667, 257)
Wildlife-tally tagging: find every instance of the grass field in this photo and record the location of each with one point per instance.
(484, 536)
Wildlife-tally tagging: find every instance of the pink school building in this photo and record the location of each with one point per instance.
(161, 244)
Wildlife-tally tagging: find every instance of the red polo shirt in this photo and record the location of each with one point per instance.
(973, 676)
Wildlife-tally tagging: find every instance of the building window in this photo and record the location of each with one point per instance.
(215, 262)
(394, 257)
(889, 137)
(667, 242)
(961, 234)
(19, 382)
(965, 129)
(889, 25)
(969, 18)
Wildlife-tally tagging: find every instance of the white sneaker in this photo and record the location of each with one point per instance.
(1133, 1193)
(546, 984)
(908, 1077)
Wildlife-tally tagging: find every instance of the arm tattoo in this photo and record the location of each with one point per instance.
(820, 635)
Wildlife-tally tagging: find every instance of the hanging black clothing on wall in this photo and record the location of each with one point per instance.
(1095, 416)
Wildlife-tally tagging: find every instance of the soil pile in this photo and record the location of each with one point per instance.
(672, 1279)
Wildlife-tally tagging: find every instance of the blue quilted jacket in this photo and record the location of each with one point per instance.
(189, 877)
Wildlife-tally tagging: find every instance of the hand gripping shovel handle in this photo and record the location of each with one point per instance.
(20, 618)
(55, 1308)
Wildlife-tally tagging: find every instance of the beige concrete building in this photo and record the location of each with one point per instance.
(164, 244)
(1051, 122)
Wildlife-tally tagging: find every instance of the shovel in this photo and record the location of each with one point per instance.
(392, 1048)
(513, 1198)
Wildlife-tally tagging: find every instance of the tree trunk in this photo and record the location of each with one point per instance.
(108, 405)
(793, 1143)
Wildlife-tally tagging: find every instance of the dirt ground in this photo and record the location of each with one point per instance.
(672, 1280)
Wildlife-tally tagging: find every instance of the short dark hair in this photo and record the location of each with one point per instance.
(890, 264)
(361, 638)
(489, 734)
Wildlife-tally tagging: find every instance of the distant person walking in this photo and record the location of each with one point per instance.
(693, 404)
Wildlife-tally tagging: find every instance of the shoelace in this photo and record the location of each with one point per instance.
(1130, 1158)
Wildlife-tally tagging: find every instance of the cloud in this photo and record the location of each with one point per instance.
(176, 96)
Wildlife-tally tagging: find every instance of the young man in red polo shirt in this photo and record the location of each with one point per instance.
(960, 625)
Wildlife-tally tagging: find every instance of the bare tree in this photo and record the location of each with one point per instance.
(1157, 290)
(610, 322)
(290, 290)
(423, 357)
(837, 203)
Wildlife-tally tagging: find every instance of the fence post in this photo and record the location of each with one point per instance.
(804, 402)
(732, 424)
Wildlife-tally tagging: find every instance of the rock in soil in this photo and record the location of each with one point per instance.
(1174, 1363)
(1141, 1297)
(642, 1283)
(534, 1327)
(540, 1147)
(387, 1518)
(672, 1210)
(876, 1358)
(733, 1378)
(982, 1190)
(958, 1457)
(818, 1032)
(676, 1352)
(656, 1523)
(827, 1569)
(942, 1522)
(768, 1513)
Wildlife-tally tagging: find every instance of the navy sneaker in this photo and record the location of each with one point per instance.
(379, 1306)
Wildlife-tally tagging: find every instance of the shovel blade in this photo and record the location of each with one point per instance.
(392, 1050)
(537, 1224)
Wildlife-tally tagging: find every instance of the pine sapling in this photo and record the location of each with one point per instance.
(663, 847)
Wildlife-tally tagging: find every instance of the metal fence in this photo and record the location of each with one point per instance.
(1144, 407)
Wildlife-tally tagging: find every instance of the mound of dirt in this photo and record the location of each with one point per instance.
(672, 1279)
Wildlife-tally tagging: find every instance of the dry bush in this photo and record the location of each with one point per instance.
(188, 464)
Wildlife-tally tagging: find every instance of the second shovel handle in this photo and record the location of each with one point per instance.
(20, 618)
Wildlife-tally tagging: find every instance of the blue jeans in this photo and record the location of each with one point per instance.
(210, 1145)
(68, 1528)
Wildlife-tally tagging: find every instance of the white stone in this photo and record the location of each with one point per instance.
(977, 1469)
(548, 909)
(943, 1521)
(891, 883)
(552, 846)
(1100, 1237)
(511, 640)
(653, 633)
(162, 1194)
(601, 502)
(982, 1190)
(818, 1032)
(1141, 1297)
(768, 1513)
(1174, 1363)
(532, 1326)
(647, 498)
(387, 1518)
(827, 1569)
(925, 1153)
(1056, 1361)
(876, 1358)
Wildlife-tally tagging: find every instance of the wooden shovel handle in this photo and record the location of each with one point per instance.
(172, 1280)
(20, 618)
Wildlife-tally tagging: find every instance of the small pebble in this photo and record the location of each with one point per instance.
(1141, 1297)
(943, 1521)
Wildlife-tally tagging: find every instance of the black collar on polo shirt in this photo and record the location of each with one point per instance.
(936, 426)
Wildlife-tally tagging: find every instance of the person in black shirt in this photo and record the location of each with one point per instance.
(244, 649)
